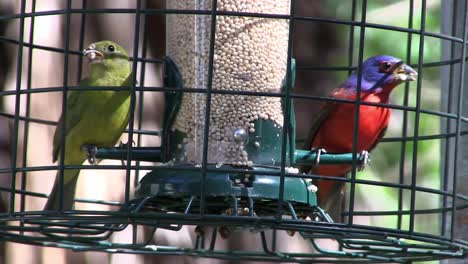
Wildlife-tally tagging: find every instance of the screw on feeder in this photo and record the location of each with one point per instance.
(240, 135)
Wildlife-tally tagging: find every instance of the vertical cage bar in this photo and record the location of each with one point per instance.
(449, 121)
(64, 104)
(213, 238)
(414, 169)
(134, 234)
(458, 124)
(141, 93)
(351, 38)
(213, 15)
(350, 71)
(27, 110)
(140, 108)
(287, 117)
(404, 132)
(356, 113)
(274, 238)
(81, 40)
(131, 121)
(19, 68)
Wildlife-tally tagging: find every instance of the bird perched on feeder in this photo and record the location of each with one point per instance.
(93, 117)
(333, 130)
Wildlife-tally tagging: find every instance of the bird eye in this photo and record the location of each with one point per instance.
(111, 48)
(385, 66)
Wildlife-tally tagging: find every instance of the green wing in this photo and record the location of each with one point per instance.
(78, 102)
(75, 106)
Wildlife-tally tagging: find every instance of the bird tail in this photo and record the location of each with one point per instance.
(69, 188)
(331, 193)
(332, 199)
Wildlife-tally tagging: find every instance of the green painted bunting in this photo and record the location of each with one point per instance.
(93, 117)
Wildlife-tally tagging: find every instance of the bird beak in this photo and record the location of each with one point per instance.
(92, 53)
(405, 73)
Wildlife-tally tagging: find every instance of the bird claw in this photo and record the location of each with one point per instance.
(319, 152)
(91, 152)
(199, 230)
(365, 159)
(225, 232)
(124, 146)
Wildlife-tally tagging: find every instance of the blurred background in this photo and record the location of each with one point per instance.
(316, 45)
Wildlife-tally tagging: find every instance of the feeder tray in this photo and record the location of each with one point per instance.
(251, 191)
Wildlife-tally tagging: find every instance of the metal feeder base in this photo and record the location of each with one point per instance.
(248, 191)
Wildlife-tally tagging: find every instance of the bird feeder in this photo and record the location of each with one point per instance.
(223, 120)
(248, 55)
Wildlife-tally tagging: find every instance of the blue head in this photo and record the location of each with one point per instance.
(381, 72)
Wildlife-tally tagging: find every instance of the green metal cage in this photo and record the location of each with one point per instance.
(259, 198)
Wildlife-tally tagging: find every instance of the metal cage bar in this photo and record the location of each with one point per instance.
(89, 230)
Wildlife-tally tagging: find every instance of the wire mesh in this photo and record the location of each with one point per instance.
(216, 216)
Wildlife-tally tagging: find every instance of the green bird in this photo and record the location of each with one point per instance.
(93, 118)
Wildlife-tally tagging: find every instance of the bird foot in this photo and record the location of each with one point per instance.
(199, 230)
(91, 152)
(319, 152)
(365, 159)
(125, 146)
(225, 232)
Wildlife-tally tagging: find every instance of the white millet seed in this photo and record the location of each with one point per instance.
(249, 55)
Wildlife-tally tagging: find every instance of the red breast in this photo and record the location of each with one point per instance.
(337, 131)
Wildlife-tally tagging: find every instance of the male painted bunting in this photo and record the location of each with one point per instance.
(334, 127)
(93, 117)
